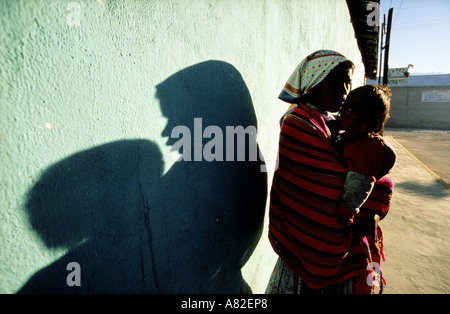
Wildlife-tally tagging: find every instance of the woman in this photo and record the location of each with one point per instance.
(316, 254)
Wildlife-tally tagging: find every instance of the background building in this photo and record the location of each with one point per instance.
(422, 103)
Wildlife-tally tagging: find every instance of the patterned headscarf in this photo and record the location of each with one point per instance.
(310, 72)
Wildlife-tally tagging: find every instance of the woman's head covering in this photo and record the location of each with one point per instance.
(310, 72)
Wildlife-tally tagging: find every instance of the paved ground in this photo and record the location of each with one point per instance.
(431, 147)
(416, 229)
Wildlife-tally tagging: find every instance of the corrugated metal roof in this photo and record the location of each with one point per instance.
(422, 80)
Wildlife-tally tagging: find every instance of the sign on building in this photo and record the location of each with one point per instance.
(436, 95)
(397, 76)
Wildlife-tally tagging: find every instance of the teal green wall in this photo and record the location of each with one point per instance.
(87, 173)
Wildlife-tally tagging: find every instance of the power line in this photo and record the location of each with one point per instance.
(398, 13)
(425, 23)
(427, 5)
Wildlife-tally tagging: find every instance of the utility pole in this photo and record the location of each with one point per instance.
(383, 31)
(388, 43)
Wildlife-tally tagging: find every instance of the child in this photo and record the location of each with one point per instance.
(366, 153)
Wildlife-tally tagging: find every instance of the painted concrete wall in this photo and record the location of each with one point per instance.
(409, 111)
(90, 93)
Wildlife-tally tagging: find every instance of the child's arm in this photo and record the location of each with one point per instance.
(357, 188)
(363, 159)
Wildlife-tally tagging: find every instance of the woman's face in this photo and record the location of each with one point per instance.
(334, 89)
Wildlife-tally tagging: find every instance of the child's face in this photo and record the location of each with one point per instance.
(352, 117)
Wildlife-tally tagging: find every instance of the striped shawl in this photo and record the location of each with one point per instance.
(305, 192)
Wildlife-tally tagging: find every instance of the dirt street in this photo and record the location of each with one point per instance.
(416, 229)
(431, 147)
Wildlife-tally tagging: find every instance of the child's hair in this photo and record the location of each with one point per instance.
(376, 106)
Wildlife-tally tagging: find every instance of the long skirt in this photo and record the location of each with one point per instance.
(284, 281)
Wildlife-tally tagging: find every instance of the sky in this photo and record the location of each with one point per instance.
(420, 35)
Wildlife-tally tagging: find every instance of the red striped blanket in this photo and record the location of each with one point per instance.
(305, 191)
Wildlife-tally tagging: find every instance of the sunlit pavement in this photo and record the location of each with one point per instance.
(416, 229)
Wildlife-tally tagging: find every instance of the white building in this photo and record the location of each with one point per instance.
(424, 102)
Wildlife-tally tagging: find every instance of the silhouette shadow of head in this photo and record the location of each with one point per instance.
(131, 229)
(213, 210)
(95, 204)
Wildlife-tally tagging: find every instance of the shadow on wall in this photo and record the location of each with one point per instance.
(214, 211)
(95, 203)
(132, 229)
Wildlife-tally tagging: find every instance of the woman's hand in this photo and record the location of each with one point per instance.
(345, 216)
